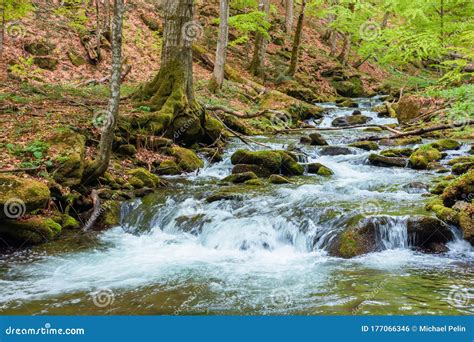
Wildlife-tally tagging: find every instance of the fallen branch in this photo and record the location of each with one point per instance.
(105, 79)
(19, 170)
(425, 130)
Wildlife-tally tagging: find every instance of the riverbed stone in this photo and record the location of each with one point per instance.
(351, 120)
(277, 162)
(141, 177)
(365, 145)
(423, 156)
(317, 139)
(397, 152)
(258, 170)
(423, 231)
(186, 159)
(446, 144)
(319, 169)
(335, 151)
(460, 189)
(379, 160)
(127, 150)
(19, 196)
(461, 168)
(238, 178)
(277, 179)
(168, 168)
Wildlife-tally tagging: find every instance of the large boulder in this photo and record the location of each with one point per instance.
(349, 87)
(334, 151)
(460, 189)
(258, 170)
(351, 120)
(141, 177)
(299, 110)
(378, 160)
(317, 139)
(319, 169)
(19, 196)
(31, 230)
(186, 159)
(446, 144)
(238, 178)
(67, 151)
(365, 145)
(276, 162)
(401, 141)
(426, 232)
(466, 220)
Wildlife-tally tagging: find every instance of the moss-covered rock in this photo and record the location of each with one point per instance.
(19, 196)
(67, 150)
(446, 144)
(47, 63)
(317, 139)
(40, 48)
(238, 178)
(466, 221)
(168, 168)
(424, 232)
(335, 151)
(223, 196)
(346, 103)
(379, 160)
(277, 162)
(277, 179)
(143, 178)
(463, 159)
(213, 128)
(187, 159)
(351, 87)
(408, 108)
(356, 241)
(75, 58)
(319, 169)
(276, 100)
(401, 141)
(397, 152)
(460, 189)
(423, 156)
(439, 187)
(365, 145)
(69, 222)
(373, 129)
(258, 170)
(109, 215)
(29, 230)
(461, 168)
(254, 182)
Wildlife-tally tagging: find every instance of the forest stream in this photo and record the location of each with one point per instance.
(263, 252)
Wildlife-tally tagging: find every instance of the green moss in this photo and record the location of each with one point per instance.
(461, 168)
(30, 231)
(187, 159)
(463, 159)
(254, 182)
(423, 156)
(277, 179)
(351, 244)
(402, 141)
(460, 189)
(240, 177)
(439, 187)
(168, 167)
(25, 192)
(213, 128)
(275, 161)
(397, 152)
(69, 222)
(141, 177)
(110, 214)
(446, 144)
(324, 171)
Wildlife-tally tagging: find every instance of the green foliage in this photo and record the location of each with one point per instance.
(15, 9)
(25, 69)
(32, 155)
(74, 11)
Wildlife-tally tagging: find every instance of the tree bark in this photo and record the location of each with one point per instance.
(170, 94)
(101, 164)
(257, 66)
(346, 49)
(289, 5)
(297, 41)
(221, 51)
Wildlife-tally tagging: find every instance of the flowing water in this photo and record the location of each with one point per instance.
(262, 253)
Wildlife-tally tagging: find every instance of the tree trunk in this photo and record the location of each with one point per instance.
(257, 66)
(289, 4)
(221, 51)
(171, 94)
(108, 131)
(346, 48)
(297, 41)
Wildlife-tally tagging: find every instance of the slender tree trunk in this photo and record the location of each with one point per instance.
(257, 66)
(2, 28)
(221, 51)
(110, 121)
(289, 5)
(346, 49)
(98, 32)
(297, 41)
(171, 94)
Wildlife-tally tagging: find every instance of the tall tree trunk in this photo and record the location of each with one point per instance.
(257, 66)
(221, 51)
(171, 94)
(108, 131)
(289, 5)
(346, 49)
(297, 41)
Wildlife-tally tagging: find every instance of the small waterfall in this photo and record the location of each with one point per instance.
(392, 233)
